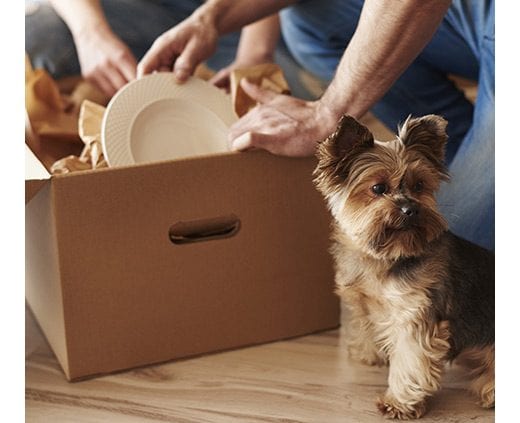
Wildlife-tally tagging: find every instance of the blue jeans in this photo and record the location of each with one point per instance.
(138, 23)
(317, 34)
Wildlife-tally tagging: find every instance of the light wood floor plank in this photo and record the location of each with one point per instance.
(303, 380)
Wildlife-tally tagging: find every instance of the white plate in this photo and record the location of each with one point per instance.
(154, 119)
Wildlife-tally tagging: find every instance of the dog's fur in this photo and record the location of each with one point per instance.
(419, 296)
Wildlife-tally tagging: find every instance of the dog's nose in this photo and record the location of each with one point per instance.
(409, 209)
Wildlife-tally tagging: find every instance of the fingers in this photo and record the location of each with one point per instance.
(115, 78)
(103, 83)
(283, 144)
(250, 140)
(112, 74)
(108, 78)
(284, 126)
(221, 79)
(105, 60)
(242, 142)
(181, 48)
(163, 56)
(260, 95)
(128, 67)
(186, 63)
(159, 55)
(254, 130)
(261, 125)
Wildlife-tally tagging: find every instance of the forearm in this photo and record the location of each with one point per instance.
(390, 35)
(258, 40)
(231, 15)
(81, 15)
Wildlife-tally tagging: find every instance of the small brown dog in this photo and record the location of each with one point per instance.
(419, 296)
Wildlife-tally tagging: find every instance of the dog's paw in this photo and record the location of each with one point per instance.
(487, 398)
(367, 356)
(391, 409)
(374, 360)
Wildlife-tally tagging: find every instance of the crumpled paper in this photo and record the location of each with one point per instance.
(89, 129)
(267, 75)
(46, 107)
(53, 114)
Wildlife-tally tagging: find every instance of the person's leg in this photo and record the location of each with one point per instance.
(468, 201)
(316, 33)
(138, 23)
(48, 42)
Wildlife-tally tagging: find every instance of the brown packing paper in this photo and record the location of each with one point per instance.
(46, 108)
(89, 128)
(84, 90)
(267, 75)
(90, 120)
(53, 115)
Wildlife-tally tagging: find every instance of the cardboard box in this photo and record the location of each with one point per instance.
(131, 266)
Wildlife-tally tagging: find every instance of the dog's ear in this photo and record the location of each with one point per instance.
(348, 135)
(337, 152)
(427, 135)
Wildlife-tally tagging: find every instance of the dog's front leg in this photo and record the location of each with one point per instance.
(361, 345)
(417, 357)
(360, 331)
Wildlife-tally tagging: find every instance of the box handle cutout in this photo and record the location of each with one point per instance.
(204, 229)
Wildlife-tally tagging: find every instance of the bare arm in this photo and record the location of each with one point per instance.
(390, 34)
(231, 15)
(186, 45)
(104, 59)
(81, 15)
(257, 45)
(259, 39)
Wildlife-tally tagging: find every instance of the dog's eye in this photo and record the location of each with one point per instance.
(418, 187)
(379, 189)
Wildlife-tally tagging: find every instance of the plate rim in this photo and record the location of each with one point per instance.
(227, 116)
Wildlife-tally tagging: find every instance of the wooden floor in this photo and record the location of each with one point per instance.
(309, 379)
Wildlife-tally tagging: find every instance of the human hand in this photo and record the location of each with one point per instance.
(282, 124)
(105, 60)
(181, 48)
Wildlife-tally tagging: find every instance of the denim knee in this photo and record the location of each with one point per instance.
(49, 43)
(316, 33)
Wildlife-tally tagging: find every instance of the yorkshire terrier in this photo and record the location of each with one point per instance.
(419, 296)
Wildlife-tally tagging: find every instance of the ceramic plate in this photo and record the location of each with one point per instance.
(154, 119)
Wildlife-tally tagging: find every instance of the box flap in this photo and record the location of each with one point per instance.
(40, 154)
(36, 176)
(42, 271)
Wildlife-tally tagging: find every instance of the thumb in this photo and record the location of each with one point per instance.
(250, 140)
(260, 95)
(242, 142)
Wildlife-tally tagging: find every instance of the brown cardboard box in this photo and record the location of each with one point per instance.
(138, 265)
